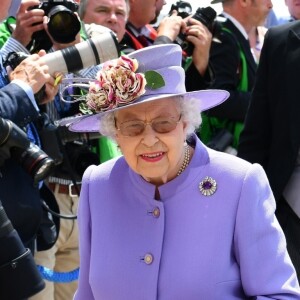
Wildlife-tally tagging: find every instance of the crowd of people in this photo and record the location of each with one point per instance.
(201, 204)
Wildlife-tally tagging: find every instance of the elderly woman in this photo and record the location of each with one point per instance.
(171, 218)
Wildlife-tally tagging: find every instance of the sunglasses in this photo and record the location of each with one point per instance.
(159, 125)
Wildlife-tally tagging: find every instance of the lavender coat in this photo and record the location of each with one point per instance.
(187, 246)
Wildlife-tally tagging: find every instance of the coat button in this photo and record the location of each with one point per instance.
(148, 259)
(156, 212)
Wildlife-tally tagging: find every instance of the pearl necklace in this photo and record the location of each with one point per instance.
(186, 160)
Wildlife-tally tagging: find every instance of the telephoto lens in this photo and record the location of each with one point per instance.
(102, 47)
(91, 52)
(63, 24)
(33, 160)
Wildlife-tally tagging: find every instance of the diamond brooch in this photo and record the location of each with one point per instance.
(208, 186)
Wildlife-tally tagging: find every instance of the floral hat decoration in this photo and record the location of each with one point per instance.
(118, 84)
(148, 74)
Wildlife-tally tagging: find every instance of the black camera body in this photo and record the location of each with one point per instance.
(204, 15)
(71, 151)
(48, 5)
(183, 8)
(63, 25)
(61, 147)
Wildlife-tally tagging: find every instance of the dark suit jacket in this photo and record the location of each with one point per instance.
(19, 197)
(226, 63)
(16, 106)
(271, 135)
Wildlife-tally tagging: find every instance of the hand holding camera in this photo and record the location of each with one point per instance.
(40, 23)
(63, 24)
(206, 16)
(200, 37)
(34, 71)
(28, 21)
(171, 26)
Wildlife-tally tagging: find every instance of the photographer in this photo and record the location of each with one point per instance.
(19, 195)
(75, 154)
(234, 65)
(140, 34)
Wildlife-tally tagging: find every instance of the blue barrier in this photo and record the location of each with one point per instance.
(61, 277)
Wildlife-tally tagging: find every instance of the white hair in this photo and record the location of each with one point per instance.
(190, 114)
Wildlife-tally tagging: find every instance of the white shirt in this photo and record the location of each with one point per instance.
(237, 24)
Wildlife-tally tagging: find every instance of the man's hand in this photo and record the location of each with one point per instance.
(35, 73)
(171, 26)
(28, 21)
(50, 91)
(199, 35)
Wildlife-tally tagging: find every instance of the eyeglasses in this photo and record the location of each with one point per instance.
(159, 125)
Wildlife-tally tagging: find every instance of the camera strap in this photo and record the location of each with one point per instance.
(136, 42)
(211, 126)
(32, 134)
(243, 83)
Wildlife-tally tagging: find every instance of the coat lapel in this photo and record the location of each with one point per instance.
(245, 46)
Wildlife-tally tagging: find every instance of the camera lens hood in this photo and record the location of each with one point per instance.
(63, 24)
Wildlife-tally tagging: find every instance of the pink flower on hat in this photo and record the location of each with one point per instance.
(116, 84)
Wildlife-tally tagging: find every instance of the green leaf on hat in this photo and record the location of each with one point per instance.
(154, 80)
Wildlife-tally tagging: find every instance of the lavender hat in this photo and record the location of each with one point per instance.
(149, 74)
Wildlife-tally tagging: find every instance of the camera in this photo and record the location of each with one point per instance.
(92, 52)
(206, 16)
(183, 8)
(19, 276)
(15, 144)
(63, 24)
(71, 150)
(13, 59)
(81, 156)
